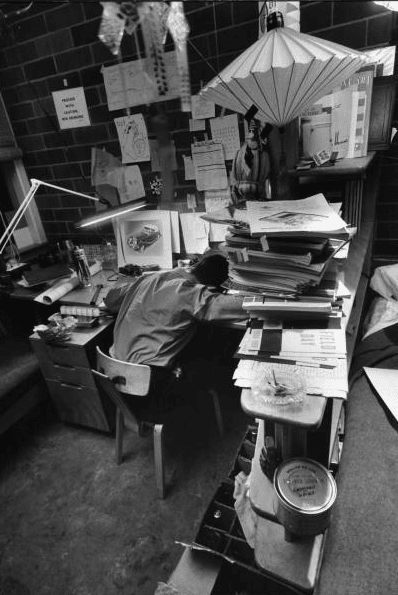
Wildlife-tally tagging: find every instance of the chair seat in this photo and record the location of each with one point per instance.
(153, 395)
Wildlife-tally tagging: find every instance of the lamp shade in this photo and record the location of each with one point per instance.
(282, 74)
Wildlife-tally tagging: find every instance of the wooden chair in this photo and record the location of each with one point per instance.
(122, 381)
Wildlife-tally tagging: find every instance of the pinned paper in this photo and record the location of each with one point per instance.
(217, 201)
(226, 131)
(202, 108)
(71, 108)
(189, 168)
(102, 163)
(133, 138)
(128, 83)
(195, 232)
(209, 164)
(175, 231)
(128, 181)
(196, 125)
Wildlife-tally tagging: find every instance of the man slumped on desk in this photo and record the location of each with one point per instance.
(159, 314)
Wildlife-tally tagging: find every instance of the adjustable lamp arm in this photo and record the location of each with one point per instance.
(93, 220)
(26, 201)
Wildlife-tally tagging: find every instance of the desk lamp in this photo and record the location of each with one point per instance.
(92, 220)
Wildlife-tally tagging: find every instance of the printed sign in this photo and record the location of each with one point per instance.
(71, 108)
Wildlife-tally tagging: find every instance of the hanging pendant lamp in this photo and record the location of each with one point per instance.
(282, 74)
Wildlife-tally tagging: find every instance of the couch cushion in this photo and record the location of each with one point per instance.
(19, 369)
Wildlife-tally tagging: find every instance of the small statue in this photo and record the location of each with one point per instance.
(250, 168)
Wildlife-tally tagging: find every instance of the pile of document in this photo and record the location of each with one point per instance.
(318, 355)
(286, 250)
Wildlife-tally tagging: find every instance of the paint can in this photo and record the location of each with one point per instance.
(305, 492)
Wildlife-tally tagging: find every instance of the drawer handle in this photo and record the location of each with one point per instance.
(68, 385)
(64, 367)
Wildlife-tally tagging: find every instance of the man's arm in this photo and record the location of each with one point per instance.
(114, 298)
(218, 307)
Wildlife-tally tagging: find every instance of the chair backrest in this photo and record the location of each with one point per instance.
(132, 379)
(105, 384)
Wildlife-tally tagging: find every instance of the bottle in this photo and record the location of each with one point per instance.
(81, 266)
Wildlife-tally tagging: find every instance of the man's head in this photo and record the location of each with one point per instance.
(211, 270)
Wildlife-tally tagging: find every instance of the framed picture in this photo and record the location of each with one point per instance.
(144, 238)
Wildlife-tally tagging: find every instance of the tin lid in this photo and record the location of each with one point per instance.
(305, 485)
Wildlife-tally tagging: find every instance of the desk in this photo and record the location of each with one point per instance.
(81, 296)
(67, 370)
(302, 570)
(67, 366)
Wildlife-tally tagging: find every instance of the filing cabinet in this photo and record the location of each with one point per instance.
(67, 368)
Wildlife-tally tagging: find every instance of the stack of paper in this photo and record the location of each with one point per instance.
(318, 355)
(311, 216)
(321, 379)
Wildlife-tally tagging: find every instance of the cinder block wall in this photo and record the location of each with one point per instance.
(53, 45)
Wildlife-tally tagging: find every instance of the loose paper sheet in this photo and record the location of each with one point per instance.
(189, 168)
(312, 214)
(385, 382)
(202, 109)
(209, 164)
(128, 180)
(102, 163)
(195, 234)
(128, 83)
(175, 231)
(216, 201)
(226, 131)
(58, 290)
(133, 138)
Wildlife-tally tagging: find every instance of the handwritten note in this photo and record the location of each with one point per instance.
(133, 138)
(226, 131)
(209, 164)
(129, 84)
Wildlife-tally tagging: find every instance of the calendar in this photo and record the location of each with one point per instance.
(226, 130)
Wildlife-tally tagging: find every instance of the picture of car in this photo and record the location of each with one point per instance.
(149, 234)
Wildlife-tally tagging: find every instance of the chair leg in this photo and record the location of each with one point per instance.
(159, 463)
(217, 411)
(119, 436)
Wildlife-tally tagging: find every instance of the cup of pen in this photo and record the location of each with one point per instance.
(278, 387)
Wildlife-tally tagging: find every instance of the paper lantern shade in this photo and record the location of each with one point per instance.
(282, 74)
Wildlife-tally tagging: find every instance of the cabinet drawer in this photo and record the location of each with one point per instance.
(81, 405)
(61, 354)
(68, 374)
